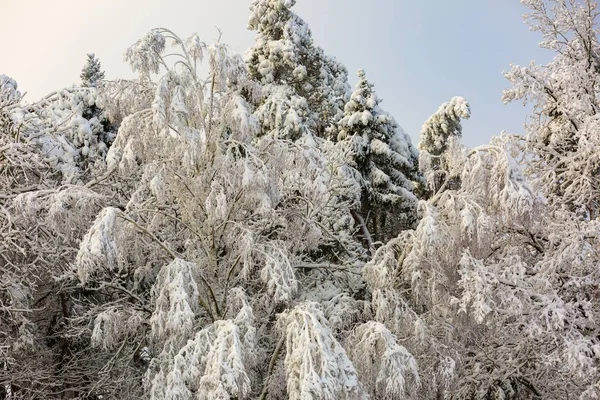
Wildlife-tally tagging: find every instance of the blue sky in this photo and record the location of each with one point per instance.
(417, 53)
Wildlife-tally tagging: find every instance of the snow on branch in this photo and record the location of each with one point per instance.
(386, 368)
(98, 249)
(316, 364)
(177, 301)
(113, 325)
(213, 364)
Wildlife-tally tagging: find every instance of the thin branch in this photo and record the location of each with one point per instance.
(274, 357)
(365, 231)
(150, 234)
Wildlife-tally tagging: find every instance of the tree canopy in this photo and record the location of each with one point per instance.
(247, 227)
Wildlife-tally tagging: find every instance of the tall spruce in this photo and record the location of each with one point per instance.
(385, 159)
(303, 90)
(91, 74)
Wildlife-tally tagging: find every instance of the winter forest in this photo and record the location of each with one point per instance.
(250, 226)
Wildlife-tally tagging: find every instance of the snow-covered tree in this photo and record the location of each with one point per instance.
(487, 281)
(440, 137)
(69, 128)
(185, 236)
(91, 74)
(9, 98)
(43, 217)
(303, 90)
(493, 290)
(563, 130)
(384, 159)
(9, 94)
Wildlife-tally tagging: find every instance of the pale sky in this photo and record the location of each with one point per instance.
(418, 53)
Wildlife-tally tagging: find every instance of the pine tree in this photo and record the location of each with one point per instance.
(441, 132)
(91, 74)
(385, 159)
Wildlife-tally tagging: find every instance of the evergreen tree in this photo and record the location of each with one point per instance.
(68, 126)
(91, 77)
(9, 94)
(385, 159)
(91, 74)
(9, 97)
(303, 90)
(441, 133)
